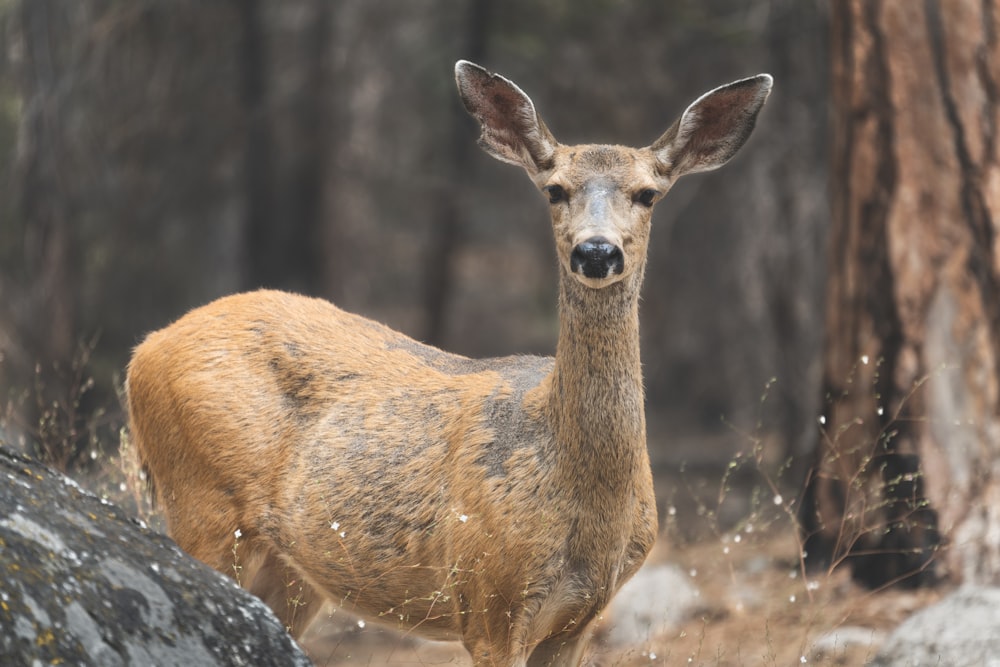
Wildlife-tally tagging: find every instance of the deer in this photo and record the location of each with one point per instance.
(318, 456)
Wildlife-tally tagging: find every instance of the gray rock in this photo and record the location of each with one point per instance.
(657, 599)
(82, 584)
(962, 630)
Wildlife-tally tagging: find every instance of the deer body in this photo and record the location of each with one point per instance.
(500, 502)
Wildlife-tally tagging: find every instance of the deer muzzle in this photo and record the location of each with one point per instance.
(597, 258)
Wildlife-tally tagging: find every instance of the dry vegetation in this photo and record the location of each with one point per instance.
(761, 610)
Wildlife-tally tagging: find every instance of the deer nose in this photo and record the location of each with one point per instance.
(597, 258)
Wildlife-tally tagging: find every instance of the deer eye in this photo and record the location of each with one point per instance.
(646, 197)
(556, 193)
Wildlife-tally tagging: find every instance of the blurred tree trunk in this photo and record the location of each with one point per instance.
(126, 169)
(445, 235)
(47, 317)
(264, 247)
(49, 259)
(909, 458)
(286, 143)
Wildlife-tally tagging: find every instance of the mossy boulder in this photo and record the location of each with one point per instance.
(81, 583)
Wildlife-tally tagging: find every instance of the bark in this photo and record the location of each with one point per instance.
(908, 474)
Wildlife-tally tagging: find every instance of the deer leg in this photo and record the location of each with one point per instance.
(282, 588)
(560, 651)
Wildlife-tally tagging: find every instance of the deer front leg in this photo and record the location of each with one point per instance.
(294, 601)
(560, 651)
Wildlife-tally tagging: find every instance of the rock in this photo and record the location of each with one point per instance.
(657, 599)
(961, 630)
(82, 584)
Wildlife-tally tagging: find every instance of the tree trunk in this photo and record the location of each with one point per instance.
(907, 483)
(47, 318)
(446, 225)
(49, 241)
(286, 143)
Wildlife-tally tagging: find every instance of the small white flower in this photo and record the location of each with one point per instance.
(361, 624)
(335, 525)
(463, 518)
(238, 533)
(864, 359)
(778, 499)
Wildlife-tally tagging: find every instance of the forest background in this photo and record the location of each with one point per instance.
(821, 317)
(160, 154)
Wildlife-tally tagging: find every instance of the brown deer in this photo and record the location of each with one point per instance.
(316, 455)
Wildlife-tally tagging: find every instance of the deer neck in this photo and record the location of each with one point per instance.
(595, 400)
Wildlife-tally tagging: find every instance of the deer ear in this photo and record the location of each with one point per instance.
(713, 128)
(511, 130)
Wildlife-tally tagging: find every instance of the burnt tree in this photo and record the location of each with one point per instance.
(906, 487)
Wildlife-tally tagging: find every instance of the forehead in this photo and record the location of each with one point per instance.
(602, 161)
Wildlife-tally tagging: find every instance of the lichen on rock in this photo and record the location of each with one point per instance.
(81, 583)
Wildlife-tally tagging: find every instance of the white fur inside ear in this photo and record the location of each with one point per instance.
(511, 129)
(688, 124)
(713, 127)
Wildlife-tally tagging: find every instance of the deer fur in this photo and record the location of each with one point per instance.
(317, 455)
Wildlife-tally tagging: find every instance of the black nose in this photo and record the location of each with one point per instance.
(597, 258)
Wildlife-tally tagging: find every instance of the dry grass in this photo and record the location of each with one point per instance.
(761, 610)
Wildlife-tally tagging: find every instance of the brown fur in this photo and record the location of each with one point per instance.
(501, 502)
